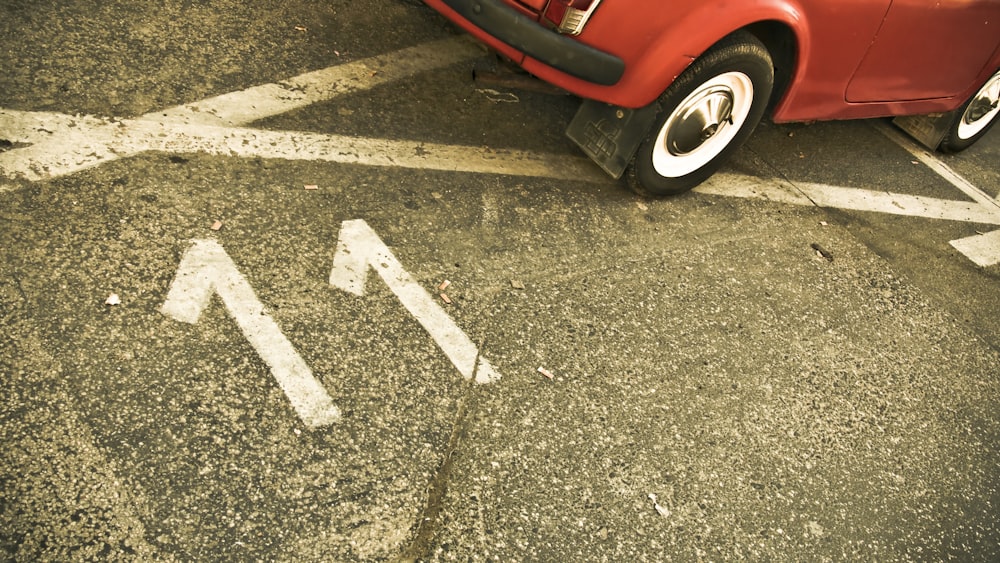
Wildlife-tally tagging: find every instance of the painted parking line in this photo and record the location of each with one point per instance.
(258, 102)
(984, 250)
(940, 168)
(852, 199)
(92, 142)
(63, 144)
(135, 136)
(59, 144)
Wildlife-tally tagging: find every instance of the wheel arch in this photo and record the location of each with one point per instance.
(783, 45)
(779, 24)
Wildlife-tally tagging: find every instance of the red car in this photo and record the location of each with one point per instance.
(672, 87)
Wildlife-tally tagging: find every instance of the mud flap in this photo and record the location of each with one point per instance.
(610, 135)
(928, 130)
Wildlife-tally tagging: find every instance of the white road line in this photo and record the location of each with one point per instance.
(360, 248)
(935, 164)
(206, 269)
(292, 145)
(40, 126)
(983, 249)
(898, 204)
(63, 144)
(68, 145)
(752, 187)
(85, 146)
(856, 199)
(258, 102)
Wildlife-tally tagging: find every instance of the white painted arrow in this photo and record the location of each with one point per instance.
(206, 269)
(359, 248)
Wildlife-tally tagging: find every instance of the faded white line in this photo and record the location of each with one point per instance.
(292, 145)
(855, 199)
(90, 146)
(751, 187)
(63, 144)
(258, 102)
(490, 211)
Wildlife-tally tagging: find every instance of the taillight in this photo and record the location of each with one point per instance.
(569, 16)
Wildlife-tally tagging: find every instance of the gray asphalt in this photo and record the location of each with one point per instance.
(719, 390)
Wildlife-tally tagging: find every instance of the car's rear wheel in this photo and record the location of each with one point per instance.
(974, 118)
(705, 115)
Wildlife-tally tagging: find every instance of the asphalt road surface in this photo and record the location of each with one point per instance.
(283, 282)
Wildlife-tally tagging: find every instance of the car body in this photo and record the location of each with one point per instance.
(843, 59)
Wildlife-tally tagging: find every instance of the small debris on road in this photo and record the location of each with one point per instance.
(661, 510)
(446, 299)
(822, 252)
(311, 187)
(516, 284)
(814, 529)
(546, 373)
(216, 225)
(498, 97)
(300, 28)
(443, 285)
(113, 300)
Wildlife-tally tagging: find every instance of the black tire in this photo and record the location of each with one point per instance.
(976, 116)
(694, 132)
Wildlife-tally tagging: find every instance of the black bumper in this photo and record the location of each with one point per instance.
(528, 36)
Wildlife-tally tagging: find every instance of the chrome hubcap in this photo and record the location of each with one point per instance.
(699, 120)
(982, 111)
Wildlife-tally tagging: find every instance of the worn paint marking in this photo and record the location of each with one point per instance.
(360, 248)
(206, 269)
(64, 144)
(940, 168)
(856, 199)
(983, 249)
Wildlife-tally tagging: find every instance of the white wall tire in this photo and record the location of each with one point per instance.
(974, 118)
(705, 115)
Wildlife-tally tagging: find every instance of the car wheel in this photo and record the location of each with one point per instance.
(705, 115)
(975, 118)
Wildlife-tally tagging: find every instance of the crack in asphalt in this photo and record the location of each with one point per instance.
(429, 518)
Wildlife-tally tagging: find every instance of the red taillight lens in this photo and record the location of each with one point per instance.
(569, 16)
